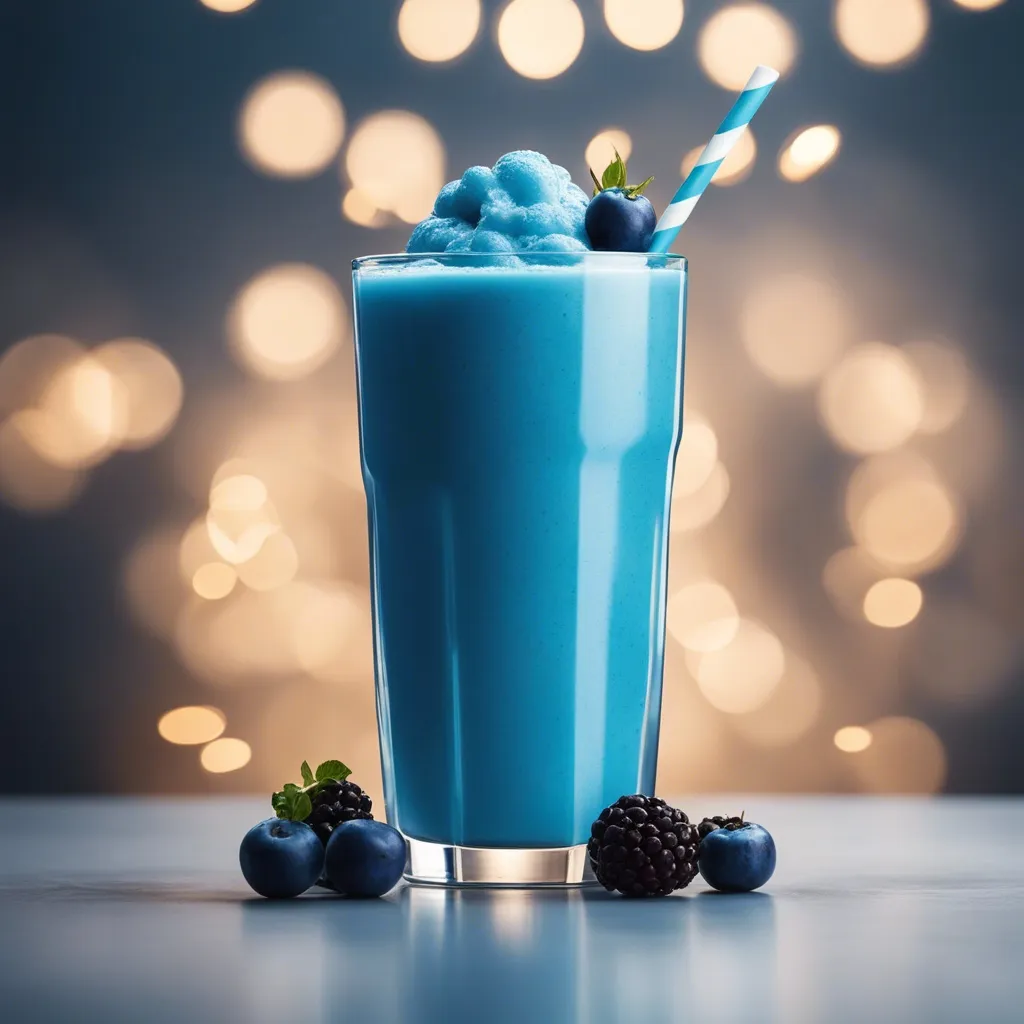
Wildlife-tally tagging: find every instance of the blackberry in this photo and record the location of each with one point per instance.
(708, 825)
(335, 803)
(642, 847)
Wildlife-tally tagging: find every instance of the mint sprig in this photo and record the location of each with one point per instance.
(295, 803)
(615, 176)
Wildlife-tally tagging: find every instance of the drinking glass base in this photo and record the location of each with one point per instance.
(440, 864)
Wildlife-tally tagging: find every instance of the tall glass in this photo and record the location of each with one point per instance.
(519, 421)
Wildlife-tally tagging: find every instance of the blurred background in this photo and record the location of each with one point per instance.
(184, 596)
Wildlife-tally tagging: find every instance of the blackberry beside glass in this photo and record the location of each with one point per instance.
(640, 846)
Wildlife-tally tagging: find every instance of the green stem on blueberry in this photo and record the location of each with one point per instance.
(615, 176)
(294, 802)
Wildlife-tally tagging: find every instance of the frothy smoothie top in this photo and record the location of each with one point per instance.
(523, 203)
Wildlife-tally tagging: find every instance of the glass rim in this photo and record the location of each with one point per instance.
(668, 259)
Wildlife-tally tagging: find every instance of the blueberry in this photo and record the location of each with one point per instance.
(365, 858)
(737, 858)
(280, 858)
(617, 223)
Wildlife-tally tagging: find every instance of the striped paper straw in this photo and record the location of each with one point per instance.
(729, 131)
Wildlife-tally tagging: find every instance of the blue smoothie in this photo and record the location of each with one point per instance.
(518, 427)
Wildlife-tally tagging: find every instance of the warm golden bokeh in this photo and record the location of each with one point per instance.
(540, 38)
(872, 400)
(882, 33)
(152, 386)
(946, 379)
(227, 6)
(29, 366)
(213, 581)
(702, 616)
(438, 30)
(27, 480)
(739, 36)
(644, 24)
(736, 167)
(692, 511)
(794, 327)
(190, 725)
(847, 577)
(892, 602)
(852, 739)
(911, 524)
(397, 161)
(696, 457)
(601, 148)
(360, 209)
(790, 712)
(291, 125)
(225, 755)
(273, 565)
(979, 5)
(740, 676)
(287, 321)
(904, 756)
(808, 151)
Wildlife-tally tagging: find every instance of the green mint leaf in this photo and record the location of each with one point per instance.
(615, 173)
(332, 770)
(596, 180)
(302, 808)
(307, 774)
(289, 802)
(638, 190)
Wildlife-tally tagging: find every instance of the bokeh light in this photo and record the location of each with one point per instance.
(904, 756)
(789, 712)
(702, 616)
(213, 581)
(692, 511)
(540, 38)
(152, 387)
(902, 514)
(29, 366)
(601, 148)
(736, 167)
(644, 24)
(227, 6)
(809, 151)
(287, 321)
(28, 481)
(872, 400)
(438, 30)
(241, 518)
(740, 676)
(359, 208)
(225, 755)
(273, 565)
(892, 602)
(696, 457)
(192, 725)
(740, 36)
(979, 5)
(291, 125)
(882, 33)
(946, 378)
(396, 159)
(794, 326)
(847, 577)
(852, 739)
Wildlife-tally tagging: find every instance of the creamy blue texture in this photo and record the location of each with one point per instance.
(524, 203)
(518, 428)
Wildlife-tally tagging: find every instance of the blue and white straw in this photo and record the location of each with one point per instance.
(729, 131)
